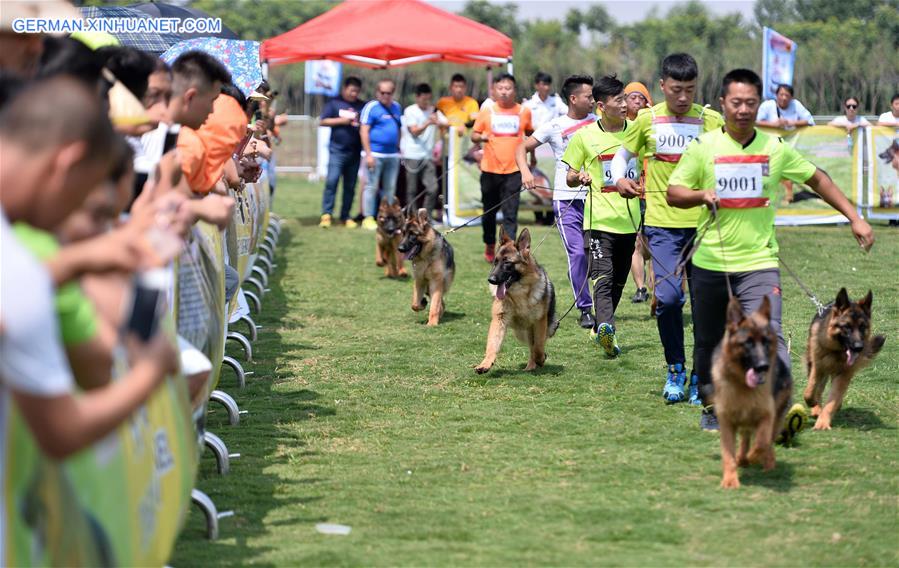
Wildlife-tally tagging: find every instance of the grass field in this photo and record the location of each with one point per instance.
(361, 415)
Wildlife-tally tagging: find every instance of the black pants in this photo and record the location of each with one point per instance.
(494, 189)
(710, 314)
(609, 260)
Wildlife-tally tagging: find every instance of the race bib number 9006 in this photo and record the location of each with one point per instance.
(608, 182)
(738, 181)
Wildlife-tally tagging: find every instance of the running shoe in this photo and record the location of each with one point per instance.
(708, 421)
(369, 224)
(794, 422)
(489, 253)
(587, 321)
(674, 384)
(325, 221)
(604, 336)
(693, 391)
(640, 296)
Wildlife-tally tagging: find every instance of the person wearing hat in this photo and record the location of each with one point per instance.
(637, 97)
(20, 53)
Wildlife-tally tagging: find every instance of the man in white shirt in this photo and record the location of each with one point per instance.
(784, 111)
(544, 104)
(420, 124)
(568, 202)
(890, 117)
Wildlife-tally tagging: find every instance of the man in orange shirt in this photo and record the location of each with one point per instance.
(501, 128)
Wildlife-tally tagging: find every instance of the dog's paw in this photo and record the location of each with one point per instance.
(403, 273)
(815, 411)
(433, 322)
(379, 262)
(730, 482)
(481, 369)
(530, 366)
(822, 423)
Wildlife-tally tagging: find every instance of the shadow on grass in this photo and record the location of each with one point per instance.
(519, 373)
(253, 486)
(860, 419)
(780, 479)
(446, 317)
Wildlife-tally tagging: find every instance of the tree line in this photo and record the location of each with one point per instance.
(844, 48)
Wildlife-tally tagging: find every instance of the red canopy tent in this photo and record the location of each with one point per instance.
(389, 33)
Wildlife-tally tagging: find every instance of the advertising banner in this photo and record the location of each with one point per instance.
(778, 61)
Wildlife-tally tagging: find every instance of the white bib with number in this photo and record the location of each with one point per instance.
(505, 124)
(738, 181)
(608, 182)
(672, 137)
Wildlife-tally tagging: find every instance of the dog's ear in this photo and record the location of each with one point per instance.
(503, 237)
(865, 302)
(523, 244)
(423, 216)
(384, 203)
(764, 310)
(842, 301)
(734, 312)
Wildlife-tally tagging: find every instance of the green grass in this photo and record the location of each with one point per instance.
(361, 415)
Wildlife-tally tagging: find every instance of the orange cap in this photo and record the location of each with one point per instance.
(636, 87)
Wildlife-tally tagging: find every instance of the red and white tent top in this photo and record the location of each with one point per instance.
(388, 33)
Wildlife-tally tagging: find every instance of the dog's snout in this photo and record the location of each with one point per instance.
(492, 279)
(857, 345)
(761, 368)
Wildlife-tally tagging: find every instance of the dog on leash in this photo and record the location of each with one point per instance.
(388, 236)
(752, 390)
(839, 346)
(433, 264)
(524, 300)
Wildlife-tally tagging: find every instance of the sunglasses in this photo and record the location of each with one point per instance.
(851, 106)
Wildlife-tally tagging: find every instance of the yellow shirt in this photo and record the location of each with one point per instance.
(460, 114)
(746, 179)
(661, 137)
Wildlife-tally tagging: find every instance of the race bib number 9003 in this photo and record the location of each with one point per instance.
(672, 135)
(738, 181)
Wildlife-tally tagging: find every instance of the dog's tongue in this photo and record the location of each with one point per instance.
(501, 290)
(752, 378)
(851, 356)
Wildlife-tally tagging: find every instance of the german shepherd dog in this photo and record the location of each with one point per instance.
(433, 264)
(524, 300)
(839, 346)
(388, 236)
(752, 390)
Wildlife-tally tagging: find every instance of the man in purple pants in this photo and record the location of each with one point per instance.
(568, 203)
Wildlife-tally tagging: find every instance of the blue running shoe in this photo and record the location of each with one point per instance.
(604, 336)
(693, 396)
(708, 422)
(674, 385)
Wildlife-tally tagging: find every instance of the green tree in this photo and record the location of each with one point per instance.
(502, 17)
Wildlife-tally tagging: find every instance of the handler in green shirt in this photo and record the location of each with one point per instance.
(736, 170)
(610, 219)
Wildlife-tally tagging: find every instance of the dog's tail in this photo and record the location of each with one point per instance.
(551, 315)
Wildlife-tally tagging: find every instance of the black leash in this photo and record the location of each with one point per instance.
(818, 304)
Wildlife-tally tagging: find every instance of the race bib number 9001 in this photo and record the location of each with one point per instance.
(738, 181)
(672, 134)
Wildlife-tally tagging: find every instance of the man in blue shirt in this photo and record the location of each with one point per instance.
(342, 115)
(380, 133)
